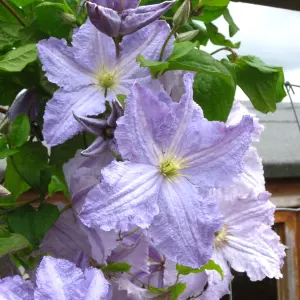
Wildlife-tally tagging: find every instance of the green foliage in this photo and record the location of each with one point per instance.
(233, 28)
(55, 19)
(218, 38)
(33, 223)
(264, 85)
(11, 242)
(19, 132)
(23, 171)
(4, 150)
(186, 57)
(214, 95)
(116, 267)
(17, 59)
(211, 266)
(9, 35)
(176, 290)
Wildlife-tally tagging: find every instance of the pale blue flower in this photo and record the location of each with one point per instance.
(91, 72)
(173, 155)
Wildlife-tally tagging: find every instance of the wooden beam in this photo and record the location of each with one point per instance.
(287, 4)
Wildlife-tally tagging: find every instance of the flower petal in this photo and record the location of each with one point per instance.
(118, 5)
(251, 181)
(61, 66)
(96, 148)
(184, 229)
(16, 288)
(135, 19)
(251, 245)
(82, 173)
(147, 42)
(134, 133)
(104, 19)
(101, 243)
(93, 49)
(260, 254)
(66, 239)
(134, 253)
(126, 196)
(237, 112)
(60, 279)
(59, 122)
(244, 214)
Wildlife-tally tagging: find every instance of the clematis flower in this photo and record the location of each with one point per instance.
(173, 156)
(252, 178)
(57, 279)
(121, 17)
(246, 241)
(89, 73)
(103, 129)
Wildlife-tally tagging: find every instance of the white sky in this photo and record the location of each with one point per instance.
(272, 34)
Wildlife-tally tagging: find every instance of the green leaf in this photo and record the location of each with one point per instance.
(210, 13)
(154, 66)
(32, 223)
(176, 290)
(264, 85)
(211, 265)
(9, 34)
(4, 151)
(17, 59)
(214, 95)
(116, 267)
(217, 38)
(8, 90)
(58, 183)
(233, 28)
(215, 2)
(12, 243)
(191, 60)
(181, 49)
(22, 2)
(202, 37)
(19, 132)
(29, 161)
(53, 20)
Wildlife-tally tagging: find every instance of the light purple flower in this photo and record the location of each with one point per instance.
(89, 73)
(103, 129)
(246, 241)
(174, 155)
(123, 17)
(57, 279)
(16, 288)
(252, 178)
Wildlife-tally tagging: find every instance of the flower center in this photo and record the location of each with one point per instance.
(221, 237)
(170, 168)
(106, 80)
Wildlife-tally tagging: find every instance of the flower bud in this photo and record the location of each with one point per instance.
(186, 36)
(3, 191)
(182, 14)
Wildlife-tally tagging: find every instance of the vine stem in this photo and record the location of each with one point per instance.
(162, 51)
(3, 110)
(234, 54)
(5, 3)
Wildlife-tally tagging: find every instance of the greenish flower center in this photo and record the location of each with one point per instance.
(106, 80)
(221, 237)
(170, 168)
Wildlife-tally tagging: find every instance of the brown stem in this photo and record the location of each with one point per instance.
(5, 3)
(234, 54)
